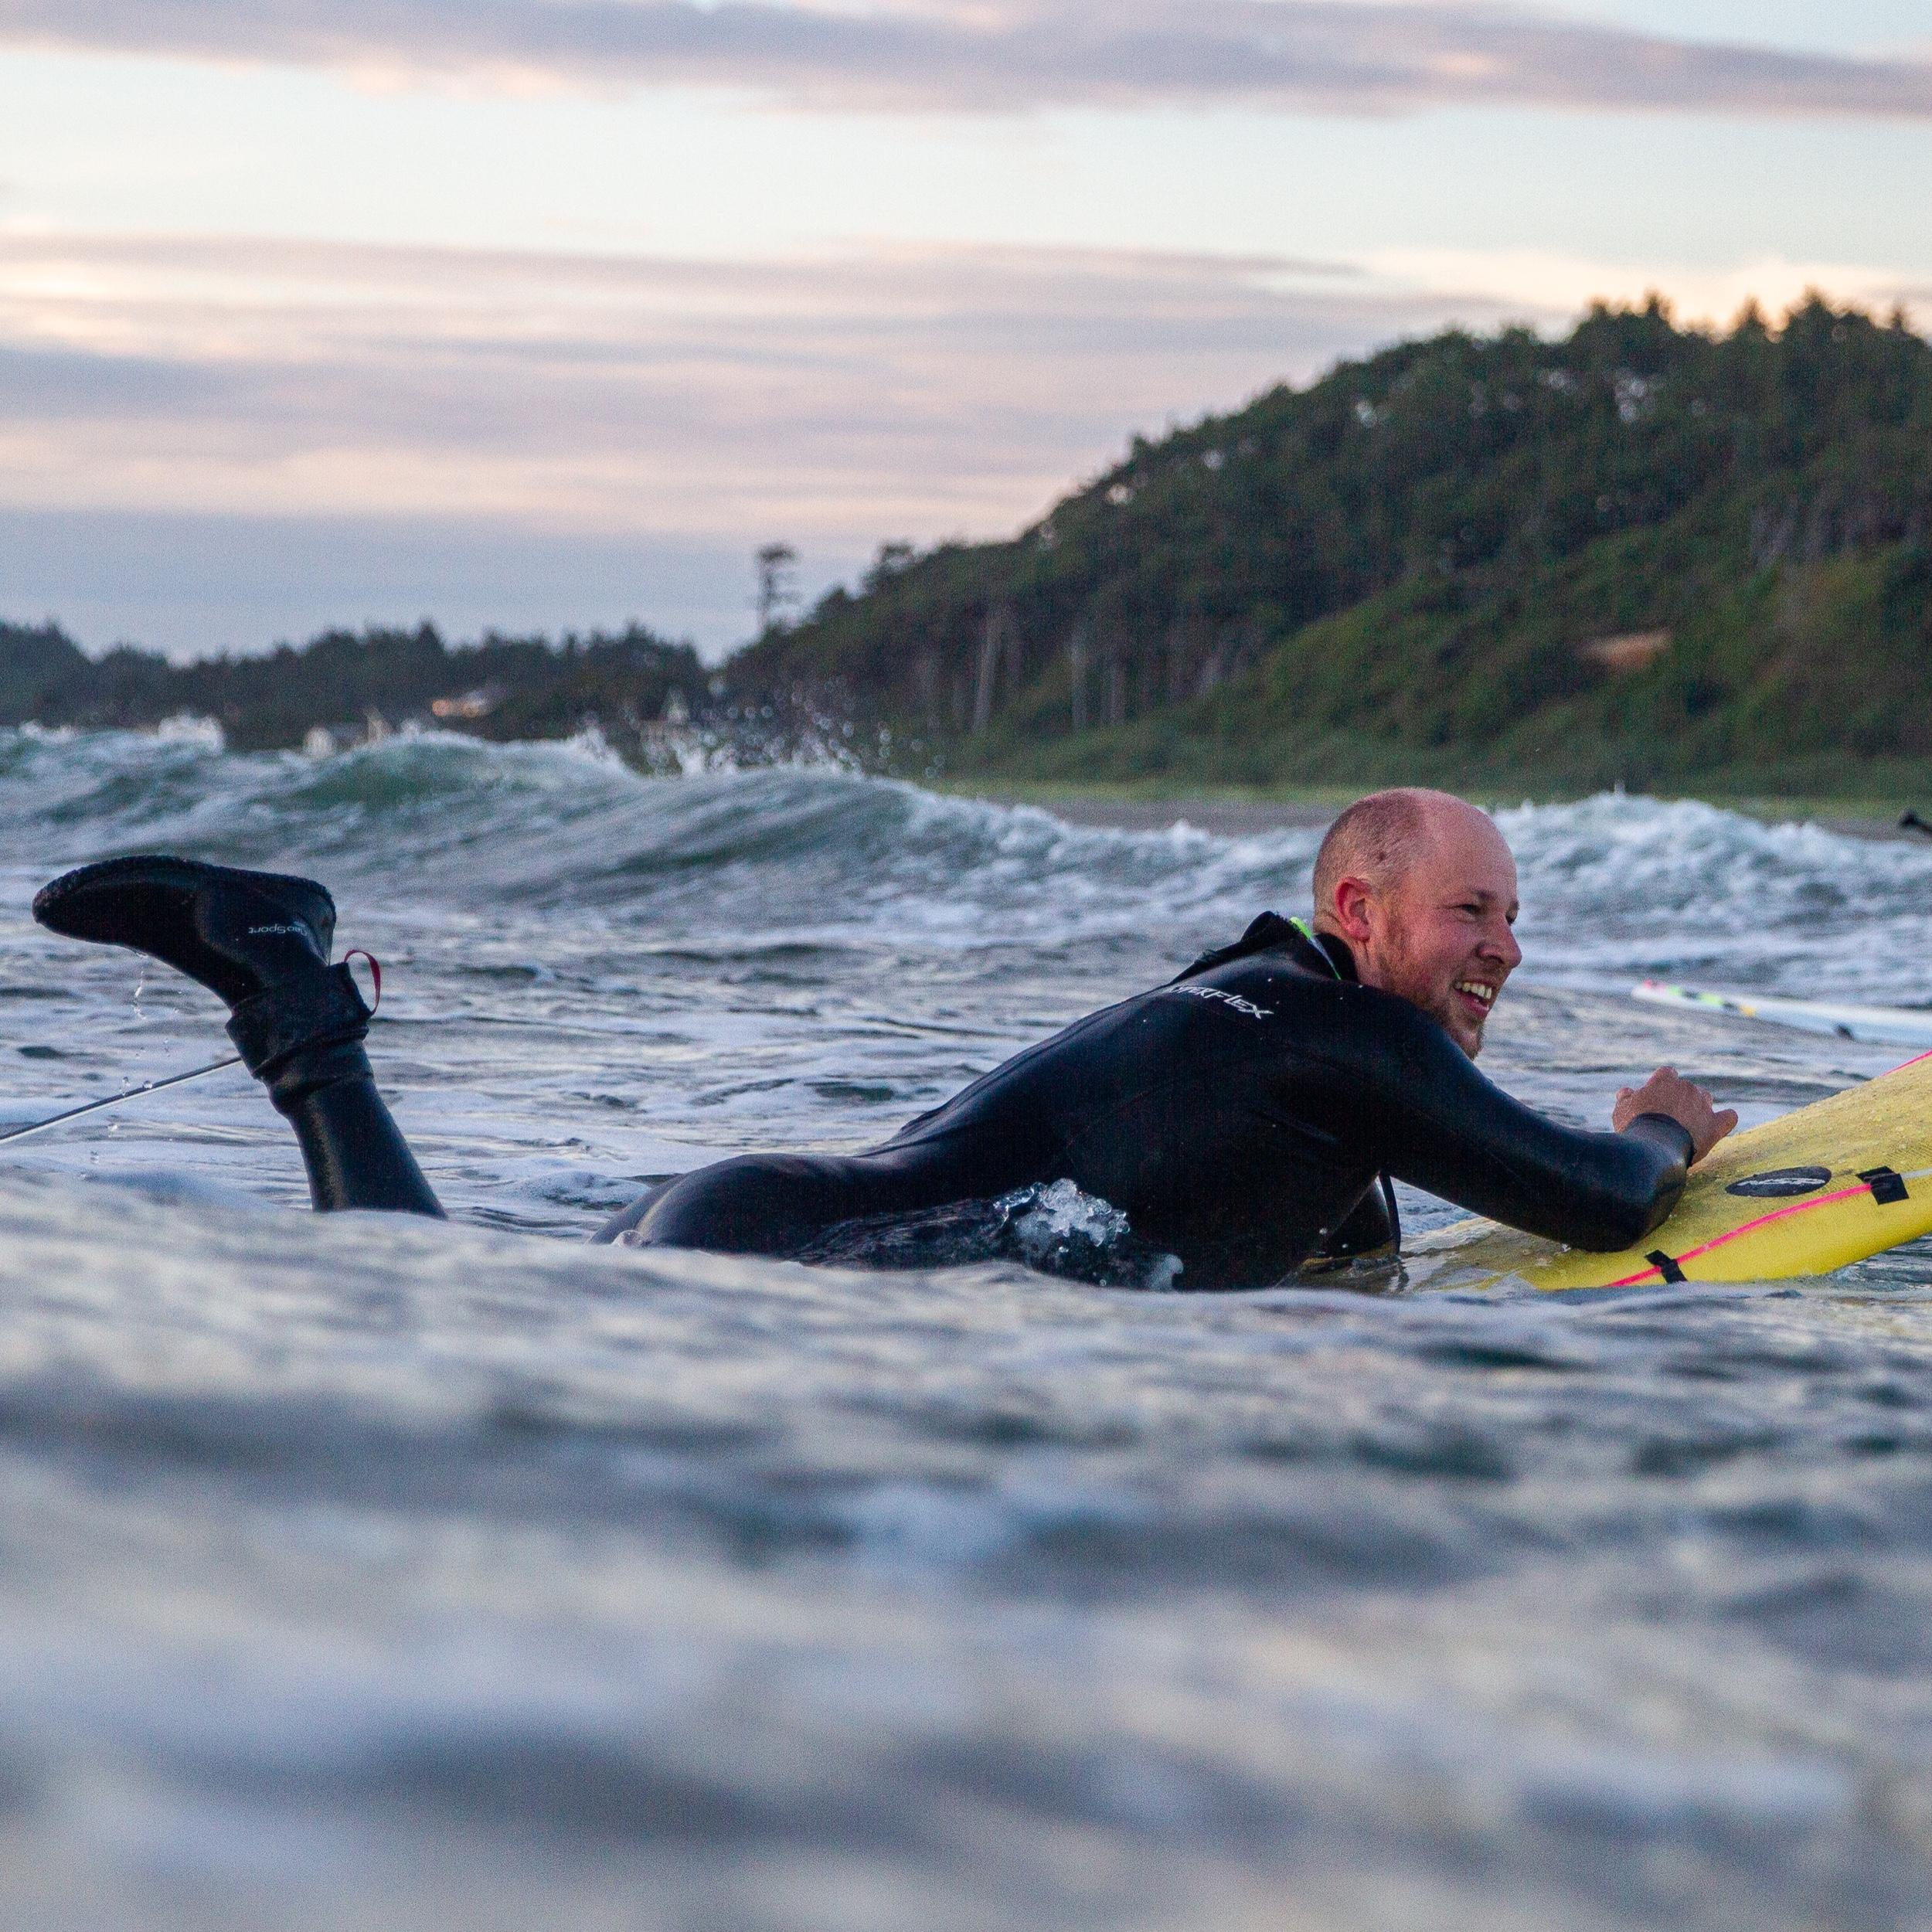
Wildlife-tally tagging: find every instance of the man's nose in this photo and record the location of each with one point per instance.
(1502, 944)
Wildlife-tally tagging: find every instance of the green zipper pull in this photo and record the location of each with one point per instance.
(1307, 931)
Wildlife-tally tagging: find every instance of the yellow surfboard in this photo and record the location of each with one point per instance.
(1828, 1184)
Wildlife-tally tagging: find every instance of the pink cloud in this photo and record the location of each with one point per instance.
(1309, 55)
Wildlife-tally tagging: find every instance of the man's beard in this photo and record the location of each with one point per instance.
(1452, 1021)
(1444, 1007)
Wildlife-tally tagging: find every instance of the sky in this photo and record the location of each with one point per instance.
(545, 314)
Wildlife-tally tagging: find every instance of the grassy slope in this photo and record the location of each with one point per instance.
(1815, 680)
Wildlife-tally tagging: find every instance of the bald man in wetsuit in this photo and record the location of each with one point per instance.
(1246, 1116)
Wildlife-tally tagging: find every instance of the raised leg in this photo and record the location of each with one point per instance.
(260, 940)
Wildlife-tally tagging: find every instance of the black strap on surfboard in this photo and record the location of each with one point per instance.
(1666, 1265)
(1886, 1183)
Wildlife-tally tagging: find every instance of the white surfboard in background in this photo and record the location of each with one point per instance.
(1890, 1025)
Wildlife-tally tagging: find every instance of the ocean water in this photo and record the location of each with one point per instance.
(359, 1572)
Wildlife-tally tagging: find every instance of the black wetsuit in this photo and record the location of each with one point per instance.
(1242, 1116)
(1245, 1116)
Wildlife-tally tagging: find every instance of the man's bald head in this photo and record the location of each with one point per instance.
(1422, 887)
(1381, 837)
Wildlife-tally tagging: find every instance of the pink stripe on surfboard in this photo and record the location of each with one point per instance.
(1763, 1220)
(1777, 1214)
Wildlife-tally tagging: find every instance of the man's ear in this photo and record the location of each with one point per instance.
(1351, 909)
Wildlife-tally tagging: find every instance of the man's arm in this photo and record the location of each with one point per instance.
(1424, 1114)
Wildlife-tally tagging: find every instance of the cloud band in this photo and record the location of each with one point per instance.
(1309, 55)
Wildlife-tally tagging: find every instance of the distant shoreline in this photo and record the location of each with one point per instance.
(1233, 816)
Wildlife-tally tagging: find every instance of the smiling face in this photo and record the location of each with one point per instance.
(1437, 932)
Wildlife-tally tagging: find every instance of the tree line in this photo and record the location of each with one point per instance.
(500, 687)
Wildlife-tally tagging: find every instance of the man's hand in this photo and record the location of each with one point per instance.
(1667, 1091)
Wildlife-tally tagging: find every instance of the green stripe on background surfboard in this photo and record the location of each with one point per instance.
(1883, 1026)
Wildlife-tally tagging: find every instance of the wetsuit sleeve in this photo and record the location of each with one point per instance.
(1426, 1115)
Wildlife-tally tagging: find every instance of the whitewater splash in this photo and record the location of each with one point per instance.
(376, 1574)
(823, 851)
(1054, 1228)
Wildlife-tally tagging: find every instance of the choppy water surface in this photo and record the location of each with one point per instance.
(359, 1573)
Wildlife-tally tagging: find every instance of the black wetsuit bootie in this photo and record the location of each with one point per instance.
(260, 940)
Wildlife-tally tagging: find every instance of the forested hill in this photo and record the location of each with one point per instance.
(1640, 551)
